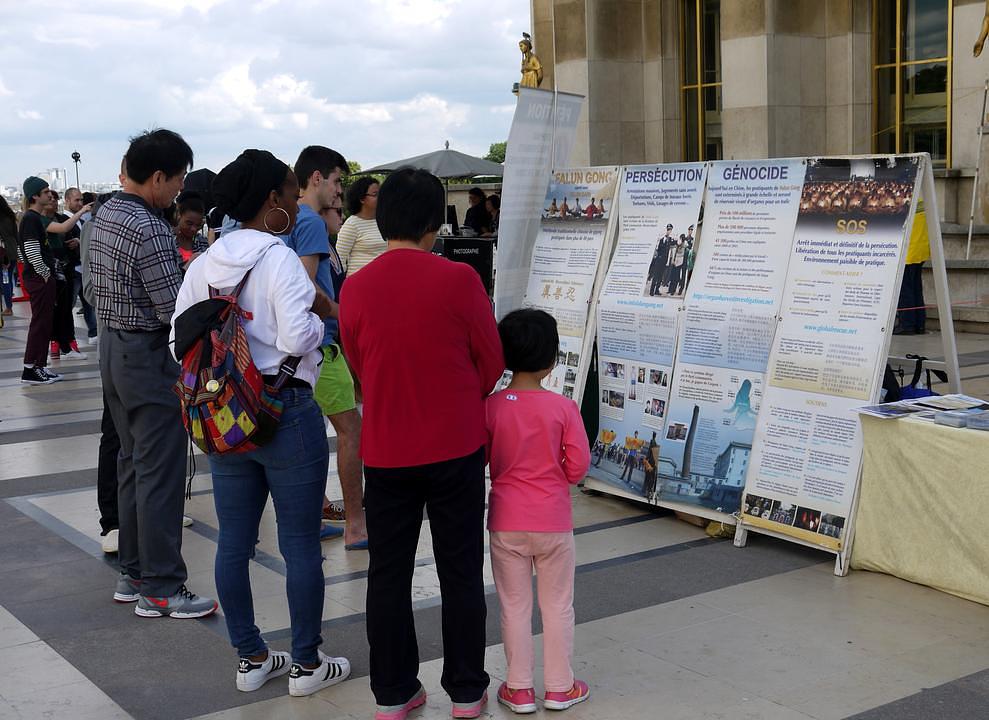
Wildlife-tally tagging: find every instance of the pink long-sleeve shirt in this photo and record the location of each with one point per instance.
(537, 448)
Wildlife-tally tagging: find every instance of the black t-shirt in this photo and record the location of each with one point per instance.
(32, 228)
(477, 217)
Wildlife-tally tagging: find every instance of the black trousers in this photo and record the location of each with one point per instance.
(912, 296)
(106, 473)
(63, 326)
(453, 494)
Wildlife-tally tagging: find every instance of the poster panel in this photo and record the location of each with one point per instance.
(637, 318)
(840, 292)
(573, 229)
(729, 316)
(541, 137)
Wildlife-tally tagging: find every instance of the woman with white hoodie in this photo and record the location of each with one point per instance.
(286, 319)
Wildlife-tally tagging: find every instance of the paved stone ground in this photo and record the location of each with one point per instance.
(671, 624)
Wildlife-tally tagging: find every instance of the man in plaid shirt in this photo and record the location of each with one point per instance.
(133, 264)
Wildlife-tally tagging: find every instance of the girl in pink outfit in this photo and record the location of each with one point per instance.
(537, 448)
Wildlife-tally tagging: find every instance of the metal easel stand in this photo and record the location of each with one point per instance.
(983, 129)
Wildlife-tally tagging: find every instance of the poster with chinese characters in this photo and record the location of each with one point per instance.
(573, 231)
(637, 316)
(841, 291)
(729, 316)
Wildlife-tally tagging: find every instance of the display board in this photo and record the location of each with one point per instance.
(729, 316)
(541, 137)
(830, 346)
(573, 237)
(637, 317)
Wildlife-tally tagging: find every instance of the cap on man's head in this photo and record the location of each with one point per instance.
(669, 226)
(33, 186)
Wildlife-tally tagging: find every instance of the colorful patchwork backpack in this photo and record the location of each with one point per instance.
(226, 406)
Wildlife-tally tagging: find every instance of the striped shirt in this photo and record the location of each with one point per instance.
(134, 265)
(359, 242)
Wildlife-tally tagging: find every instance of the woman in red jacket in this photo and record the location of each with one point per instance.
(419, 333)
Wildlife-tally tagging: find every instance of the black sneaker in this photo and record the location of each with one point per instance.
(37, 376)
(55, 377)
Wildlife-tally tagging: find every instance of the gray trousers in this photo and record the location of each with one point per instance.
(138, 373)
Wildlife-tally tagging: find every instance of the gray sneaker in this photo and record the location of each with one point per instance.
(128, 589)
(182, 604)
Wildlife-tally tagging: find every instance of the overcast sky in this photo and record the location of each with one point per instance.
(377, 80)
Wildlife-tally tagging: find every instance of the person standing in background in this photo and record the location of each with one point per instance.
(911, 315)
(35, 253)
(477, 216)
(359, 240)
(8, 267)
(135, 274)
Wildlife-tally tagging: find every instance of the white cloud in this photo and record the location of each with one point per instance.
(378, 80)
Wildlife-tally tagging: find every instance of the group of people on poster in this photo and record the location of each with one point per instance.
(671, 263)
(592, 211)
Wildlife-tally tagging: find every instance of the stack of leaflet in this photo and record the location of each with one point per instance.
(954, 409)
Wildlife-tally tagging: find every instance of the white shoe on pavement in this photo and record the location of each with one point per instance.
(109, 542)
(186, 521)
(251, 675)
(74, 355)
(331, 670)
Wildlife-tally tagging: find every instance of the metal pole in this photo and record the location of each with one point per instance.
(975, 182)
(76, 157)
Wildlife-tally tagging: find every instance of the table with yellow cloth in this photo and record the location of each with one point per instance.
(923, 511)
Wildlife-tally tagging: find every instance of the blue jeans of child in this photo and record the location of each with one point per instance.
(292, 469)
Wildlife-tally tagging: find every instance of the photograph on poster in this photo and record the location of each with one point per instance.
(573, 359)
(671, 259)
(710, 419)
(659, 378)
(570, 376)
(568, 391)
(832, 525)
(783, 513)
(614, 370)
(656, 408)
(676, 431)
(756, 506)
(808, 519)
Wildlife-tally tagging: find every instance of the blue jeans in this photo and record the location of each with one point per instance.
(88, 313)
(292, 468)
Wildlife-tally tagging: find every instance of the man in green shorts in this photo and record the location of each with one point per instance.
(319, 170)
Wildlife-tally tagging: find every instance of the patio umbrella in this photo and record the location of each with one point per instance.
(445, 164)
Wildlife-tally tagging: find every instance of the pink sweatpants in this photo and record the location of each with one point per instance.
(513, 556)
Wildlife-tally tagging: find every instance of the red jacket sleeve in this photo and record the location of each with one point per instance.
(485, 345)
(576, 451)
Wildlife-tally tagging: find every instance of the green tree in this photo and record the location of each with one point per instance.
(496, 153)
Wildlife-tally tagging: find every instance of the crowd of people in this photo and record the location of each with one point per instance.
(865, 195)
(333, 312)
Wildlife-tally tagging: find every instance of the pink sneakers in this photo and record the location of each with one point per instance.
(470, 709)
(563, 700)
(400, 712)
(518, 701)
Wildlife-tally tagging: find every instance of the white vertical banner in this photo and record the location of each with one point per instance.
(542, 134)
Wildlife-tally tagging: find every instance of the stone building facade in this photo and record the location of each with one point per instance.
(674, 80)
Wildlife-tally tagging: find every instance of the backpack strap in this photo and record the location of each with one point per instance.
(291, 363)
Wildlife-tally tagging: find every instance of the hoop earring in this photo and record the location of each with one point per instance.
(288, 221)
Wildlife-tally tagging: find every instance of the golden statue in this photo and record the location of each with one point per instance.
(532, 69)
(984, 34)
